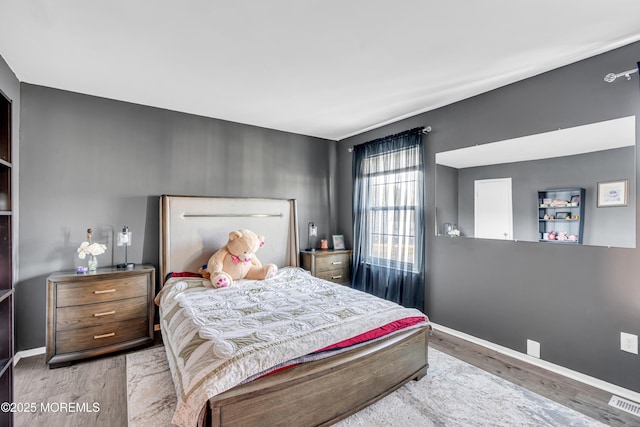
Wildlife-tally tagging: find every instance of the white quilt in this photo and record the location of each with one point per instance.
(217, 338)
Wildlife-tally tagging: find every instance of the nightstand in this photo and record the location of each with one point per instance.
(98, 313)
(332, 265)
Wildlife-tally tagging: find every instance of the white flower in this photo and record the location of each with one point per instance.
(87, 248)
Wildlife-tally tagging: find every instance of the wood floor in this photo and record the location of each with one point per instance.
(103, 381)
(583, 398)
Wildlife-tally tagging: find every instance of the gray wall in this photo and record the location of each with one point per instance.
(574, 300)
(602, 226)
(89, 162)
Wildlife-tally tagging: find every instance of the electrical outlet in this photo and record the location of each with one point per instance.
(629, 343)
(533, 348)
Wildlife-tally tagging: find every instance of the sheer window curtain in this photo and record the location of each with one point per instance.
(388, 218)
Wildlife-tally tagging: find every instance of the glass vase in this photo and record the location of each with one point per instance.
(92, 264)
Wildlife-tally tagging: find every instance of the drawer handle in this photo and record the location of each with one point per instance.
(336, 262)
(106, 313)
(110, 334)
(104, 292)
(339, 276)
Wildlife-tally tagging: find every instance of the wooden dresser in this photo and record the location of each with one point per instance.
(332, 265)
(98, 313)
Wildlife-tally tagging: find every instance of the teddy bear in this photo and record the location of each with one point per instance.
(237, 260)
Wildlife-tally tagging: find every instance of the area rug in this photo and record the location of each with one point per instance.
(454, 393)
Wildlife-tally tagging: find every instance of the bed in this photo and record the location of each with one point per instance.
(296, 361)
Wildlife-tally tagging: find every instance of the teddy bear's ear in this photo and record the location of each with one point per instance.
(234, 235)
(261, 238)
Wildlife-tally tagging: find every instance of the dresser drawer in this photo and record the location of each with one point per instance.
(337, 276)
(83, 316)
(73, 340)
(78, 293)
(332, 262)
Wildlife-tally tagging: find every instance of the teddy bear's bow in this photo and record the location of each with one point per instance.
(236, 260)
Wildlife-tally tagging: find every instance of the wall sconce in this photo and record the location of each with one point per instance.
(124, 239)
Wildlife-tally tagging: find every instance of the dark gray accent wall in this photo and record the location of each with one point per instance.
(89, 162)
(574, 300)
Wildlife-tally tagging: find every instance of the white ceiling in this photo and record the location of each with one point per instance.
(606, 135)
(330, 68)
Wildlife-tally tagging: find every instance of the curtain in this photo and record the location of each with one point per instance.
(388, 218)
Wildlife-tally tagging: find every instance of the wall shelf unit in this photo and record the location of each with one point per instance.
(6, 261)
(561, 216)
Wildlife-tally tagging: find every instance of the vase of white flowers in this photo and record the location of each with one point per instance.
(92, 263)
(91, 249)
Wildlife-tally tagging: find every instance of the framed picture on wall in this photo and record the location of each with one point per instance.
(613, 193)
(338, 241)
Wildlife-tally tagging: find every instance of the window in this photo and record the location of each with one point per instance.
(393, 194)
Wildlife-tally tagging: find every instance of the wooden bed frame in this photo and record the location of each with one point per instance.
(321, 392)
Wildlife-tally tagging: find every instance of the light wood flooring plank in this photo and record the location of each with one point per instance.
(101, 381)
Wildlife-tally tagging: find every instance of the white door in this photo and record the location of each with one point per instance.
(493, 213)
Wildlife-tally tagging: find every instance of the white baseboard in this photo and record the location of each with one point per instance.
(586, 379)
(28, 353)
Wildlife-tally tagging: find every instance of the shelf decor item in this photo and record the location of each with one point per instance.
(338, 241)
(91, 249)
(613, 193)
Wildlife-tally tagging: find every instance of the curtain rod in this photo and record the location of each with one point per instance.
(425, 130)
(611, 77)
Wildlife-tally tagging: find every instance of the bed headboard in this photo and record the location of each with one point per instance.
(192, 228)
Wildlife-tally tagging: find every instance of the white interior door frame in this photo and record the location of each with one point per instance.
(493, 209)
